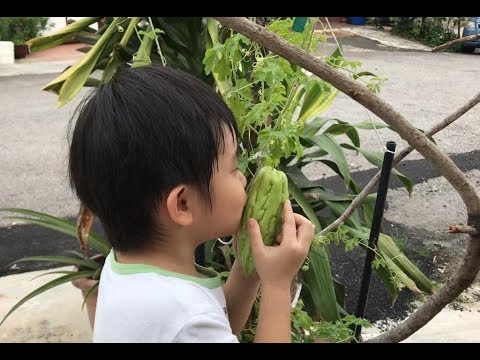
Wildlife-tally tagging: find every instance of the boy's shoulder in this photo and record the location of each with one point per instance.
(151, 291)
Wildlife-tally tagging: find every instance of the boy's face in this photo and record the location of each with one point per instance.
(227, 193)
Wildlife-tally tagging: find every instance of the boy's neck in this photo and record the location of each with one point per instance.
(174, 254)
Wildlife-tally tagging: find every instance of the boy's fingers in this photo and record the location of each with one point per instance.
(299, 220)
(305, 234)
(288, 228)
(255, 236)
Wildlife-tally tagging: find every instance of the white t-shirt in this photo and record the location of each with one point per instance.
(144, 303)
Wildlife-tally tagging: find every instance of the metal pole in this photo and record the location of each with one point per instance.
(374, 232)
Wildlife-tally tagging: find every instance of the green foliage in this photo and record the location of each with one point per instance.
(20, 29)
(431, 31)
(306, 330)
(278, 108)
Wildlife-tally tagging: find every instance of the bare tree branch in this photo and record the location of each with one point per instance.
(456, 41)
(471, 263)
(399, 157)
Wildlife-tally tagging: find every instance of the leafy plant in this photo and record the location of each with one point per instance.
(278, 108)
(431, 31)
(20, 29)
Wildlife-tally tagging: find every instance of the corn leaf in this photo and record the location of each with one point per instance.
(87, 263)
(90, 291)
(318, 277)
(338, 208)
(57, 224)
(316, 100)
(318, 280)
(60, 36)
(326, 142)
(313, 127)
(74, 83)
(386, 278)
(48, 286)
(376, 158)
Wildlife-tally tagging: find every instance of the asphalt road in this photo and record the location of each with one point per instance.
(425, 87)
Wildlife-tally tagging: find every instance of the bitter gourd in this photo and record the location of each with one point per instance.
(267, 193)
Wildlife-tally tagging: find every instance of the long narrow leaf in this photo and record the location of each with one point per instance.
(90, 292)
(75, 81)
(304, 204)
(316, 100)
(376, 158)
(87, 263)
(386, 278)
(332, 165)
(298, 177)
(48, 286)
(57, 224)
(319, 281)
(59, 272)
(345, 128)
(327, 143)
(338, 208)
(318, 277)
(369, 125)
(60, 36)
(313, 127)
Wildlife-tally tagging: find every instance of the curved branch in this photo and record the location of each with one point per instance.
(456, 41)
(463, 277)
(471, 263)
(399, 157)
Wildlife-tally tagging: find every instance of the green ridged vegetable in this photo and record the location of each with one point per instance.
(267, 193)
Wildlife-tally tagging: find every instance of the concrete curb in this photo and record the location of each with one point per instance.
(53, 316)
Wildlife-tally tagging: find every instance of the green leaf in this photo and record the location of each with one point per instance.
(74, 83)
(369, 125)
(313, 127)
(298, 177)
(87, 263)
(60, 36)
(340, 293)
(345, 128)
(338, 208)
(57, 224)
(326, 142)
(48, 286)
(386, 278)
(322, 194)
(362, 73)
(90, 291)
(352, 185)
(317, 98)
(376, 158)
(318, 280)
(304, 204)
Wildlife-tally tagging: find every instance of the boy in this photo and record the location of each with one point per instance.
(153, 155)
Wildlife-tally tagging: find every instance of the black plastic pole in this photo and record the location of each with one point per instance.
(374, 232)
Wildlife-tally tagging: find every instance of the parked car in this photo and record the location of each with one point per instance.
(472, 27)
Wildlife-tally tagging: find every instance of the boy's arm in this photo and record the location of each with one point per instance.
(240, 293)
(274, 315)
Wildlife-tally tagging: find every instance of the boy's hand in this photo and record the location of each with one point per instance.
(277, 265)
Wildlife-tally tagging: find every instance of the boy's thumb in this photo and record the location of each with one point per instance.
(255, 236)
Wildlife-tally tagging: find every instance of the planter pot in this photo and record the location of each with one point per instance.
(21, 51)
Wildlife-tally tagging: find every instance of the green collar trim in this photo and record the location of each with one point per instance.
(211, 280)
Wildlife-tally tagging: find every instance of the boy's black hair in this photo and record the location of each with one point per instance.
(150, 129)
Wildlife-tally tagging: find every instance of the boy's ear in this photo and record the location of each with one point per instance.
(179, 205)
